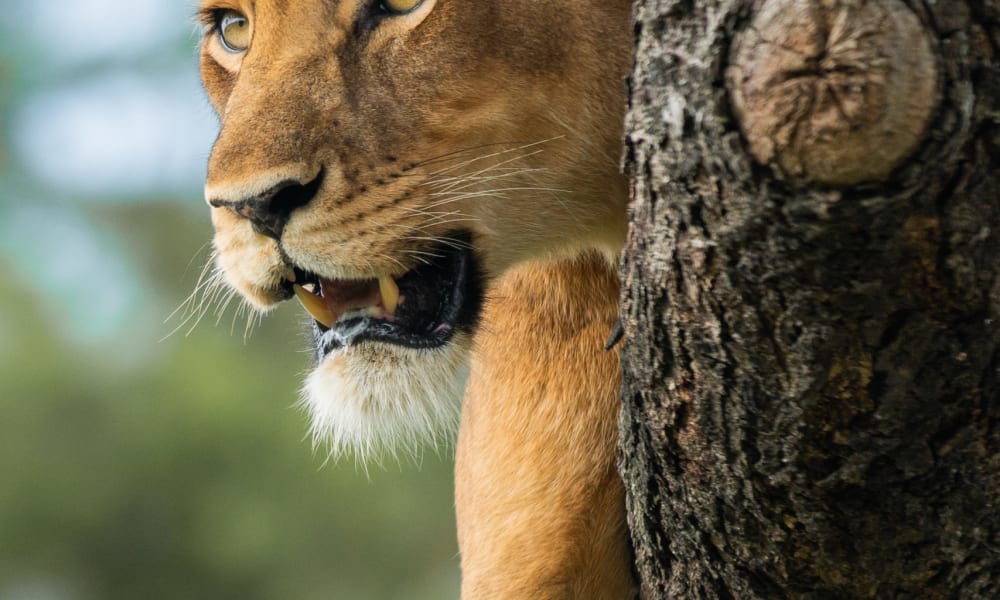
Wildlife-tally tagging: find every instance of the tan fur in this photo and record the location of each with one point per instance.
(499, 117)
(536, 486)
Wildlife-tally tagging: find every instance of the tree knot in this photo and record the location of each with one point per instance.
(836, 92)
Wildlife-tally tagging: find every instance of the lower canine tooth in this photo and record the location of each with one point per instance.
(390, 293)
(315, 306)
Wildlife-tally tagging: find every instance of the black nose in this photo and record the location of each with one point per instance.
(269, 212)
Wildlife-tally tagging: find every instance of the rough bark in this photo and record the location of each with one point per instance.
(812, 299)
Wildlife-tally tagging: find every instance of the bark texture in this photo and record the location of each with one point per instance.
(811, 400)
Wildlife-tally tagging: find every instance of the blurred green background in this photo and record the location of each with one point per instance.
(135, 464)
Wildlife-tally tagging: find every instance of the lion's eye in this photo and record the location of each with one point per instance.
(398, 7)
(234, 31)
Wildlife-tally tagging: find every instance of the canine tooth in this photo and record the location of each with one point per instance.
(315, 306)
(390, 293)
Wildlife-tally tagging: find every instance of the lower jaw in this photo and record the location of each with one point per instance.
(376, 399)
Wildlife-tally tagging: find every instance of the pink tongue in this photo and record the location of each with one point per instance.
(343, 295)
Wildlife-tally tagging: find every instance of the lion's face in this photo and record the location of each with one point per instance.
(384, 160)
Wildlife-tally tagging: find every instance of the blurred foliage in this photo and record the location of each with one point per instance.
(188, 476)
(137, 467)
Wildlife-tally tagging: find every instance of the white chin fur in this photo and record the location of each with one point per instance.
(374, 399)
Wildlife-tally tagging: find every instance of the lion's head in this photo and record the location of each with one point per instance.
(385, 159)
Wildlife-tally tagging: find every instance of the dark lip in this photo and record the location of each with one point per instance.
(443, 297)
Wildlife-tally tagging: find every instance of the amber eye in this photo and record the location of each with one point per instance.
(398, 7)
(234, 31)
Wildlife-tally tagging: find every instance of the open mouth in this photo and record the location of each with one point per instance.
(423, 308)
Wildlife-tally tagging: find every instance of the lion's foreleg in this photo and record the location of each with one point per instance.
(540, 505)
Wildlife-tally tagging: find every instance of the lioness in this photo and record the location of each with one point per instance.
(437, 181)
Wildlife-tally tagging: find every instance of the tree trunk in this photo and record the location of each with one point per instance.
(812, 299)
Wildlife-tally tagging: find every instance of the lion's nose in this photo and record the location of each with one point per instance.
(269, 211)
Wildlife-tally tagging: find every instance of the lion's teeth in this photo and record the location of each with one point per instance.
(315, 306)
(390, 293)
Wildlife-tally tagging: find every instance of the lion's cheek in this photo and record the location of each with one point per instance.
(374, 399)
